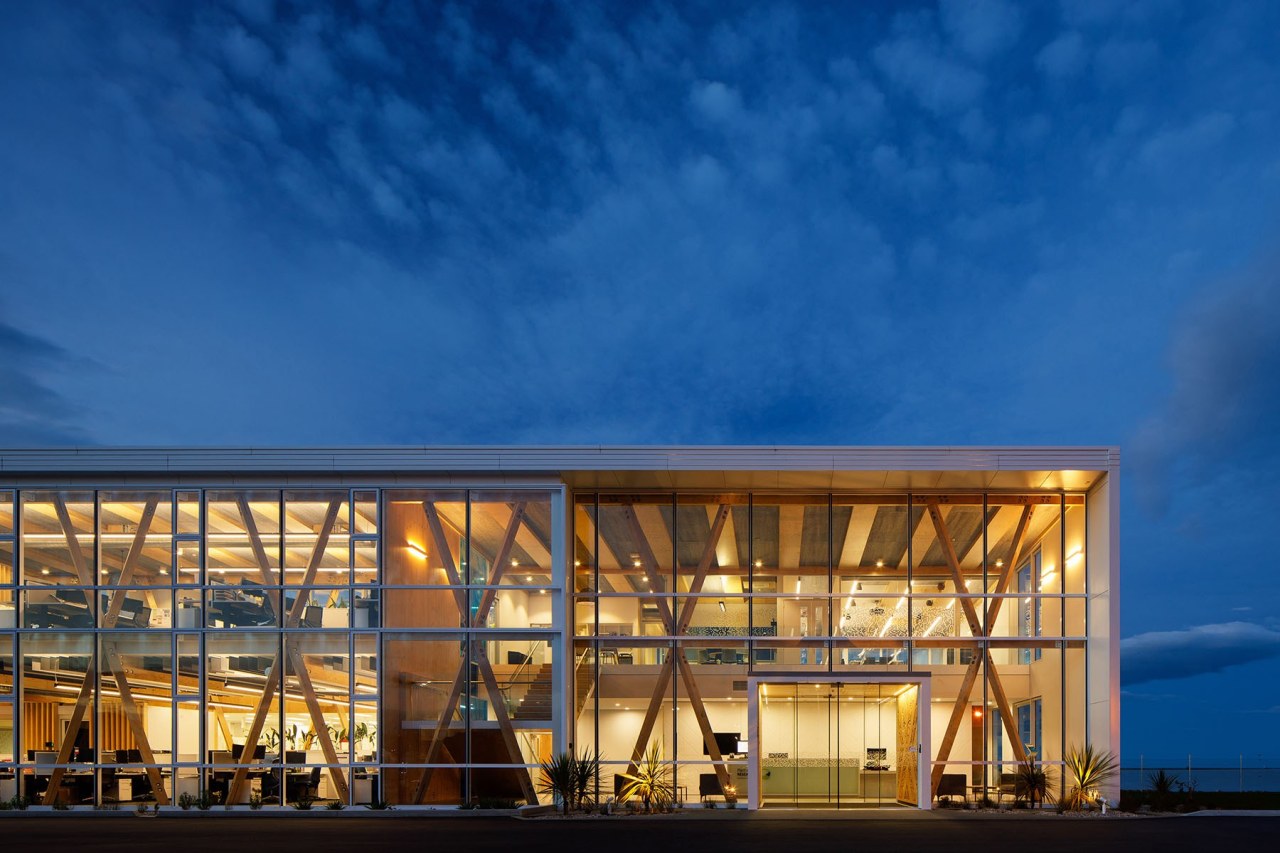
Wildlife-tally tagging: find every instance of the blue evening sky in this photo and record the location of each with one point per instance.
(809, 223)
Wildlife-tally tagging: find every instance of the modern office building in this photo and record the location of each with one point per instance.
(801, 626)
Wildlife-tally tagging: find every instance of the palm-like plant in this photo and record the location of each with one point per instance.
(1033, 782)
(651, 781)
(1090, 770)
(586, 770)
(1162, 787)
(559, 779)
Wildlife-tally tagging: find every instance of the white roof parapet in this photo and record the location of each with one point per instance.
(446, 458)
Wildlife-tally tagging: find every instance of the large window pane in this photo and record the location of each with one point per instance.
(136, 534)
(423, 717)
(510, 538)
(57, 538)
(309, 519)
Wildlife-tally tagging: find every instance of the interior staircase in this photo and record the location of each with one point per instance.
(537, 700)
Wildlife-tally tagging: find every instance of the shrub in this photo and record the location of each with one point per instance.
(651, 781)
(1089, 771)
(1163, 785)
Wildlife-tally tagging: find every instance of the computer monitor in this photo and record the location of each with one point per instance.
(221, 756)
(45, 758)
(726, 743)
(742, 747)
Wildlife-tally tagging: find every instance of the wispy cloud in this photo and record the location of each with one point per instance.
(1170, 655)
(31, 412)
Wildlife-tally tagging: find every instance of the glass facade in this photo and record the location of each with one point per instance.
(432, 646)
(232, 643)
(691, 607)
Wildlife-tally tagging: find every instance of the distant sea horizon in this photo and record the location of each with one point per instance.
(1212, 776)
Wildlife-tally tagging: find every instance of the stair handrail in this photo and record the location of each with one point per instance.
(528, 658)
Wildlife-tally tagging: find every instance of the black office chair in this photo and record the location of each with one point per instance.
(708, 785)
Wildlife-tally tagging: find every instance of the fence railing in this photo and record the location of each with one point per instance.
(1245, 774)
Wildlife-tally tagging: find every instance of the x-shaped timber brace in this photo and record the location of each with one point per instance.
(296, 661)
(976, 628)
(110, 655)
(676, 626)
(478, 655)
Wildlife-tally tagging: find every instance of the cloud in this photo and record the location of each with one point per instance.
(1177, 147)
(1168, 655)
(31, 412)
(1065, 56)
(940, 84)
(982, 28)
(1222, 408)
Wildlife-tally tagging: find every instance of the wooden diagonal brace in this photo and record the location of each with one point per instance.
(704, 566)
(953, 563)
(299, 665)
(441, 732)
(446, 560)
(245, 758)
(504, 720)
(1011, 566)
(649, 563)
(265, 573)
(499, 565)
(651, 713)
(966, 686)
(134, 717)
(694, 695)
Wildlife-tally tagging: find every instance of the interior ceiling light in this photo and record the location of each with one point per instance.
(722, 607)
(759, 564)
(879, 564)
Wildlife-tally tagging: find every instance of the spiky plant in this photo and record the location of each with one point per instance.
(559, 779)
(586, 770)
(1034, 783)
(651, 781)
(1163, 785)
(1089, 770)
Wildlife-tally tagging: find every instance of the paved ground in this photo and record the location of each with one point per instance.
(674, 834)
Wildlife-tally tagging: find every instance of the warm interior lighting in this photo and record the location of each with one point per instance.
(636, 563)
(1075, 555)
(929, 630)
(887, 623)
(759, 564)
(528, 578)
(879, 564)
(977, 713)
(417, 549)
(721, 606)
(514, 562)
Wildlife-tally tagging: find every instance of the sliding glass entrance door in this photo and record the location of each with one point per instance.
(836, 744)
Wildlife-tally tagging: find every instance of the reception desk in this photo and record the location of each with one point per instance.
(788, 780)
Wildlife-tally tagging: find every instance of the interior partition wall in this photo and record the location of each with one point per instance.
(682, 598)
